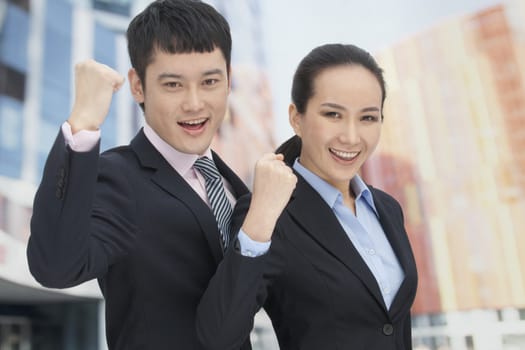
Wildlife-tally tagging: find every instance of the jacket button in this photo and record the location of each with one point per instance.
(388, 329)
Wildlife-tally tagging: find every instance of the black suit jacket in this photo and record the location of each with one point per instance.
(127, 218)
(314, 285)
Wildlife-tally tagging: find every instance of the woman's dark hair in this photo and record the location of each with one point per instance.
(290, 149)
(317, 60)
(327, 56)
(176, 26)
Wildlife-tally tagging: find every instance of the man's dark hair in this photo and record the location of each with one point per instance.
(176, 26)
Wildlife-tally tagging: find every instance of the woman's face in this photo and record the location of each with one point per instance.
(341, 125)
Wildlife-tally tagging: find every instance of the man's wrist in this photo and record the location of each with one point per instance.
(82, 141)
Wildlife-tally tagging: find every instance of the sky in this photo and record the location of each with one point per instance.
(291, 28)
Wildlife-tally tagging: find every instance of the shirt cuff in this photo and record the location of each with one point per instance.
(252, 248)
(82, 141)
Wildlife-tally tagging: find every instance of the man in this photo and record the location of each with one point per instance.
(140, 218)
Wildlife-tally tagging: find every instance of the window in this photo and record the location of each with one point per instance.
(121, 7)
(23, 4)
(12, 82)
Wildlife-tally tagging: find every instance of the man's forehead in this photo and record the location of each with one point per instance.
(187, 64)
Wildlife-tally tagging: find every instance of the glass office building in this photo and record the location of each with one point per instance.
(452, 153)
(39, 43)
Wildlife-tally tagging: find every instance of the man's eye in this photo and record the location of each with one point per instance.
(172, 84)
(210, 81)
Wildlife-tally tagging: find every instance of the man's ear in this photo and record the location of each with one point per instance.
(229, 79)
(295, 119)
(135, 85)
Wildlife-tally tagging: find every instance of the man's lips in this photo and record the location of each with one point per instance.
(194, 124)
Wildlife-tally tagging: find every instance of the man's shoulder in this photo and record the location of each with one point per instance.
(119, 159)
(125, 153)
(117, 152)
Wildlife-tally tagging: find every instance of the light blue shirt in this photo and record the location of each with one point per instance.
(363, 229)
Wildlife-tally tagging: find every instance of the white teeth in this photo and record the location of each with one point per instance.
(344, 155)
(195, 122)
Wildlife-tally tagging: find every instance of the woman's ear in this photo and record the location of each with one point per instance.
(135, 86)
(295, 119)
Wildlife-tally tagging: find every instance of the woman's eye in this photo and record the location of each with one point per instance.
(332, 114)
(370, 118)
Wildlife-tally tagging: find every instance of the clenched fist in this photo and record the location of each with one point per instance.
(95, 84)
(273, 185)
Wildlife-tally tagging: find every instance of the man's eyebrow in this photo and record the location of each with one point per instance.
(169, 75)
(180, 76)
(214, 71)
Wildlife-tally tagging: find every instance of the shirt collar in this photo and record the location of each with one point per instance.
(181, 162)
(329, 193)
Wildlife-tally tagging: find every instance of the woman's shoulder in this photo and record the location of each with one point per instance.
(382, 196)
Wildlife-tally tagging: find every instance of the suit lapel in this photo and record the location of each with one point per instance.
(170, 181)
(392, 230)
(238, 187)
(328, 233)
(239, 190)
(391, 220)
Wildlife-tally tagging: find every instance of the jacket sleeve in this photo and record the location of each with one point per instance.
(82, 217)
(240, 286)
(226, 311)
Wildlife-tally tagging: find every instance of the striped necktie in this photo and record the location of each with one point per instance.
(220, 205)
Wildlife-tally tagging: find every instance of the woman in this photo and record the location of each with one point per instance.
(339, 273)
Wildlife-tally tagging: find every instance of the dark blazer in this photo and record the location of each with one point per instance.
(314, 285)
(127, 218)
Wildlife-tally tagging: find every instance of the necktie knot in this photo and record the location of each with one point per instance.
(207, 168)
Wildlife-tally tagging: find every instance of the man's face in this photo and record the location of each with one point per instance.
(185, 97)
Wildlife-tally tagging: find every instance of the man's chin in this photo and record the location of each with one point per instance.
(198, 149)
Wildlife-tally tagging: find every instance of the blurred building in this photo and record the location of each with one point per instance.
(452, 153)
(38, 47)
(40, 41)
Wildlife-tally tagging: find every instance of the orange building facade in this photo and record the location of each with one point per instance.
(453, 153)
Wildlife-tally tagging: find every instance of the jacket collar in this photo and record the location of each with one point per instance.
(331, 236)
(168, 179)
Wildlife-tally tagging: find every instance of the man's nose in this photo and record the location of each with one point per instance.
(192, 100)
